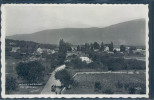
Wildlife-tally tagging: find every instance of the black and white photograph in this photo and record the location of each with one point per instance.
(74, 50)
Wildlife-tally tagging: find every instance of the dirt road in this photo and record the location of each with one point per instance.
(52, 81)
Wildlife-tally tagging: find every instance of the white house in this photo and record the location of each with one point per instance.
(117, 49)
(127, 48)
(53, 51)
(106, 48)
(39, 50)
(86, 59)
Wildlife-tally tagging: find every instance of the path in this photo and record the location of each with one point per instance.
(52, 81)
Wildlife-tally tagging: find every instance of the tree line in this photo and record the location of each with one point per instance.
(94, 46)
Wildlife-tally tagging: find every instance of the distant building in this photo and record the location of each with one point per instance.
(15, 49)
(48, 51)
(140, 51)
(39, 50)
(53, 51)
(117, 49)
(106, 48)
(127, 48)
(74, 48)
(86, 59)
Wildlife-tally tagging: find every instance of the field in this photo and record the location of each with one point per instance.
(110, 83)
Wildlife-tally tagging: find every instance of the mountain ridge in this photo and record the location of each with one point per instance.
(127, 33)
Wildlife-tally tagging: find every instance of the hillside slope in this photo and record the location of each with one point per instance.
(129, 33)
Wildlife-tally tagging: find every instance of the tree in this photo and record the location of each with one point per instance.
(62, 51)
(122, 48)
(111, 46)
(78, 48)
(31, 71)
(10, 84)
(91, 47)
(87, 46)
(102, 47)
(64, 77)
(68, 47)
(62, 47)
(96, 45)
(115, 51)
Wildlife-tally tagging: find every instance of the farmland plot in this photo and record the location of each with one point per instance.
(110, 83)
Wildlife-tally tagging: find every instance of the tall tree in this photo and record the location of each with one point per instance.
(87, 46)
(102, 47)
(62, 51)
(78, 48)
(111, 47)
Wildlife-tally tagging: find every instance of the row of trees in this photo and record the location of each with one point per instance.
(117, 63)
(94, 46)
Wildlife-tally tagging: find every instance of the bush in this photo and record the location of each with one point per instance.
(10, 84)
(31, 71)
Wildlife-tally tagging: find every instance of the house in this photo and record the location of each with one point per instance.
(117, 49)
(86, 59)
(53, 51)
(140, 51)
(49, 51)
(106, 48)
(127, 48)
(39, 50)
(74, 48)
(15, 49)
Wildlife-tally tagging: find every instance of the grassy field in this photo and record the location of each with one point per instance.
(110, 83)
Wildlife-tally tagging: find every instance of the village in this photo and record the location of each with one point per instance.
(39, 53)
(77, 60)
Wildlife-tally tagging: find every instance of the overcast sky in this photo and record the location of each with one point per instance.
(24, 19)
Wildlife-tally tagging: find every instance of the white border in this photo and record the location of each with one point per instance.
(70, 95)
